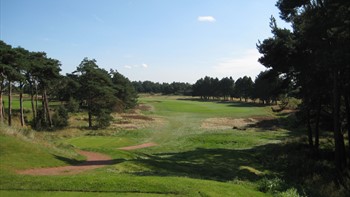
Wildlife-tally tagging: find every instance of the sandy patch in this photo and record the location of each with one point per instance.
(136, 116)
(144, 107)
(135, 119)
(227, 123)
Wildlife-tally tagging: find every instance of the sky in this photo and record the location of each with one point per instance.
(156, 40)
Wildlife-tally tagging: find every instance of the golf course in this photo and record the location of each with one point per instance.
(166, 146)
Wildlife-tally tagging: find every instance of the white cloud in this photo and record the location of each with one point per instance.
(206, 19)
(128, 67)
(245, 64)
(145, 65)
(136, 66)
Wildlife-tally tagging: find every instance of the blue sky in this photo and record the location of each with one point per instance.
(157, 40)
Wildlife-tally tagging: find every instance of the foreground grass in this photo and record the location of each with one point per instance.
(189, 160)
(103, 182)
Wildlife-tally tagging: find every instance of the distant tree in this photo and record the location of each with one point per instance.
(138, 86)
(50, 69)
(124, 90)
(243, 88)
(7, 57)
(226, 87)
(266, 87)
(96, 92)
(22, 65)
(10, 72)
(199, 89)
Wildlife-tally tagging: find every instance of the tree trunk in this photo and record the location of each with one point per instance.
(36, 99)
(21, 105)
(90, 118)
(89, 102)
(317, 127)
(10, 103)
(309, 129)
(340, 159)
(1, 106)
(32, 103)
(347, 108)
(46, 103)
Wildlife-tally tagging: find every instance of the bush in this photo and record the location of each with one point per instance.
(103, 119)
(271, 185)
(72, 105)
(292, 192)
(60, 117)
(40, 122)
(278, 187)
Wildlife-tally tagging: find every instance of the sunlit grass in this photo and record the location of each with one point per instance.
(189, 160)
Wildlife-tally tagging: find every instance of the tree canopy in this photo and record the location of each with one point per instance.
(314, 57)
(97, 91)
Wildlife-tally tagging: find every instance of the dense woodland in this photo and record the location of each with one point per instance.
(313, 58)
(89, 88)
(266, 88)
(310, 62)
(175, 88)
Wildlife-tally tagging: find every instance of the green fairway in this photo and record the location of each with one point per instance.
(189, 159)
(174, 107)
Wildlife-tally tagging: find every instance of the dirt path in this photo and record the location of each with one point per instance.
(93, 161)
(138, 146)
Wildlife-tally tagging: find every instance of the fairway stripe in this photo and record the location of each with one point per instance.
(138, 146)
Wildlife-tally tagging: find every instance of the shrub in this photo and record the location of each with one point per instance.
(291, 192)
(103, 119)
(72, 105)
(271, 185)
(60, 117)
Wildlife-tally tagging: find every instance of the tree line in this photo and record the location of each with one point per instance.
(174, 88)
(266, 87)
(314, 58)
(89, 88)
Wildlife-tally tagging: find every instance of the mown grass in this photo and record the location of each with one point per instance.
(173, 107)
(188, 161)
(22, 152)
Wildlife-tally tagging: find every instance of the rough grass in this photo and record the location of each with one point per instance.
(21, 152)
(107, 142)
(189, 160)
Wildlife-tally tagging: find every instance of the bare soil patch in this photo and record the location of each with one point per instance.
(226, 123)
(93, 160)
(144, 107)
(136, 116)
(135, 120)
(235, 123)
(139, 146)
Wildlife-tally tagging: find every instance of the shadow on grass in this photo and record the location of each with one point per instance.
(101, 163)
(287, 121)
(75, 162)
(292, 162)
(68, 160)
